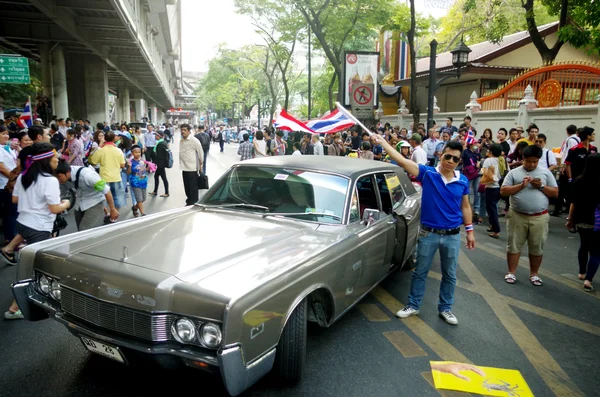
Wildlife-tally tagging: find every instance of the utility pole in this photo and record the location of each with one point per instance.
(309, 76)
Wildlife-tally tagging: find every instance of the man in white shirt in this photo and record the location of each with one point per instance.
(317, 146)
(564, 192)
(91, 193)
(430, 144)
(548, 159)
(419, 155)
(513, 137)
(297, 151)
(571, 141)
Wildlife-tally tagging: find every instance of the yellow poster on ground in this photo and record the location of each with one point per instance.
(479, 380)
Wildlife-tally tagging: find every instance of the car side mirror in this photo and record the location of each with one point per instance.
(370, 216)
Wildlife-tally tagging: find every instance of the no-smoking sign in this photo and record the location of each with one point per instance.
(363, 95)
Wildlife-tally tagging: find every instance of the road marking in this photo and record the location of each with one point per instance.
(432, 339)
(444, 393)
(559, 318)
(373, 313)
(524, 266)
(550, 371)
(405, 344)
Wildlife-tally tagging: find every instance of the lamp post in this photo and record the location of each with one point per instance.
(460, 58)
(265, 106)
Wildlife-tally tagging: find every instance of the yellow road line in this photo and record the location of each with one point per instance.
(550, 371)
(404, 344)
(444, 393)
(559, 318)
(544, 273)
(372, 312)
(435, 341)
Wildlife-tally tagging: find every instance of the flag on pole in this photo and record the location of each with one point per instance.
(26, 118)
(470, 137)
(287, 122)
(335, 121)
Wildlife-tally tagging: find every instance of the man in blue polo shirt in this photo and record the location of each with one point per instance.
(444, 206)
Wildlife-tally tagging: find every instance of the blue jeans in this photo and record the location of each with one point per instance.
(118, 192)
(204, 162)
(473, 186)
(449, 247)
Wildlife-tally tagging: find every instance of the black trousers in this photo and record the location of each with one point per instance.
(190, 184)
(564, 194)
(150, 154)
(162, 173)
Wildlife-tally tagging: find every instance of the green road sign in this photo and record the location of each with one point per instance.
(14, 70)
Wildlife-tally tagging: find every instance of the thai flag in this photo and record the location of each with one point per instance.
(25, 119)
(287, 122)
(332, 123)
(470, 137)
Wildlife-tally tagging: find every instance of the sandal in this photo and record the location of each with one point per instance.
(165, 195)
(135, 211)
(489, 230)
(588, 288)
(581, 276)
(510, 278)
(10, 258)
(535, 280)
(152, 193)
(494, 235)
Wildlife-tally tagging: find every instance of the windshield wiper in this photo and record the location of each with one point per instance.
(234, 205)
(337, 218)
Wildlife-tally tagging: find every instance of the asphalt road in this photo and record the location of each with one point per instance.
(550, 333)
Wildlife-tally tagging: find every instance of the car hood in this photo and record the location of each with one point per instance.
(195, 244)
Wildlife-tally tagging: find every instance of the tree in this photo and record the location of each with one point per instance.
(280, 26)
(488, 20)
(336, 23)
(578, 22)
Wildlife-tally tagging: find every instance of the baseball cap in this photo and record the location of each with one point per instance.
(159, 132)
(417, 138)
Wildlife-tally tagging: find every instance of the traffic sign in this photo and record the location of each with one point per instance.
(14, 70)
(363, 95)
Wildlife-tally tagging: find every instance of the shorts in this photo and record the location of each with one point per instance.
(32, 236)
(139, 193)
(530, 229)
(118, 192)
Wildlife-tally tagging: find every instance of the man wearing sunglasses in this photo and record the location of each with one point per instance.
(444, 206)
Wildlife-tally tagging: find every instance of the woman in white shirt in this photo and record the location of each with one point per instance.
(37, 193)
(8, 162)
(492, 190)
(260, 145)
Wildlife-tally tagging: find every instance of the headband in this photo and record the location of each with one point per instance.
(30, 159)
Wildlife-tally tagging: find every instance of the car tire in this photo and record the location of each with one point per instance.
(291, 349)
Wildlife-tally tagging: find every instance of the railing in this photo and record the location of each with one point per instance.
(557, 85)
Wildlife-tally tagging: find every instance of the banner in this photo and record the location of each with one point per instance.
(360, 68)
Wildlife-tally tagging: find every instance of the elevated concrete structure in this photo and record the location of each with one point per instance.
(91, 46)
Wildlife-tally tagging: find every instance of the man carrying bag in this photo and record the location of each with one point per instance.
(191, 157)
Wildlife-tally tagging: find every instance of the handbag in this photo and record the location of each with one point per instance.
(202, 181)
(470, 171)
(488, 176)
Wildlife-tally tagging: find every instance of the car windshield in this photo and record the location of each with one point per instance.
(304, 195)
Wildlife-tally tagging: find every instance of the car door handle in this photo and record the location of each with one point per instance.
(392, 222)
(408, 217)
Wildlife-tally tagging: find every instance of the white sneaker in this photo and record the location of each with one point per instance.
(407, 312)
(449, 317)
(13, 316)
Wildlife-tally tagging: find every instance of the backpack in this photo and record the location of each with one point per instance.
(170, 158)
(204, 140)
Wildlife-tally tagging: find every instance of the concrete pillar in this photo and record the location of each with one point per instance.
(140, 107)
(59, 80)
(124, 110)
(96, 89)
(153, 113)
(46, 69)
(76, 86)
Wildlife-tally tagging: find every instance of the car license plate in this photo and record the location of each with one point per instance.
(103, 349)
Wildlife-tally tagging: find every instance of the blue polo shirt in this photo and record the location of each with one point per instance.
(441, 201)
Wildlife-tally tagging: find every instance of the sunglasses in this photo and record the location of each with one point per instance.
(448, 157)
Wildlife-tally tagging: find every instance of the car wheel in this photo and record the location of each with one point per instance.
(291, 350)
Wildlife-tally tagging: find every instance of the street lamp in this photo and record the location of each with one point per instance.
(266, 107)
(460, 59)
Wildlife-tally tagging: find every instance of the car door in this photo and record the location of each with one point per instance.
(372, 236)
(406, 206)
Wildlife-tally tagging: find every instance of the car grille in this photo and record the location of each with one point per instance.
(156, 328)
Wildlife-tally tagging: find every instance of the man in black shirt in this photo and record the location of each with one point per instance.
(56, 138)
(578, 155)
(204, 139)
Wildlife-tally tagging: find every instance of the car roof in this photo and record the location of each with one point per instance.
(346, 166)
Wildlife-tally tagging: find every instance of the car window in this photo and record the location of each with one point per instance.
(354, 208)
(283, 191)
(384, 193)
(367, 198)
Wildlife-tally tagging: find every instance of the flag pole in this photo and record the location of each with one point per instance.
(351, 117)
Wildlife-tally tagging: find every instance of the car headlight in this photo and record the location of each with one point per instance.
(44, 284)
(55, 290)
(184, 330)
(210, 335)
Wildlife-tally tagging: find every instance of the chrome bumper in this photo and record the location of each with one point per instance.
(236, 373)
